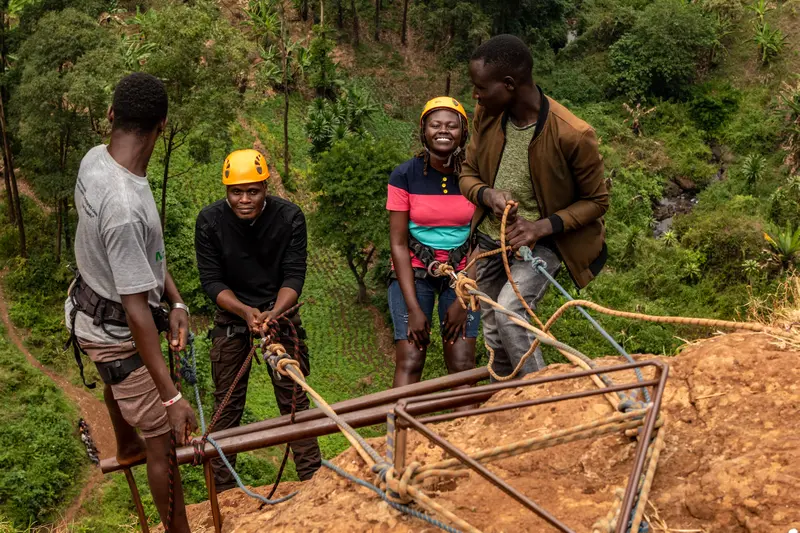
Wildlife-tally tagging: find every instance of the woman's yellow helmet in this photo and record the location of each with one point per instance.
(244, 166)
(443, 102)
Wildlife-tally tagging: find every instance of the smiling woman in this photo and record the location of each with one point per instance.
(429, 222)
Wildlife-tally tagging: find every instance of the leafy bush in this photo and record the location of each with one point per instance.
(351, 177)
(713, 105)
(784, 203)
(660, 55)
(724, 236)
(41, 459)
(577, 82)
(752, 169)
(750, 129)
(329, 122)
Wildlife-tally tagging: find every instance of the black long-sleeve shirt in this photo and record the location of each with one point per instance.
(254, 261)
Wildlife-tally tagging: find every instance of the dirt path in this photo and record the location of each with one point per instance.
(24, 188)
(91, 409)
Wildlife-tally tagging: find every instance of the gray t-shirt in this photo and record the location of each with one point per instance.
(119, 246)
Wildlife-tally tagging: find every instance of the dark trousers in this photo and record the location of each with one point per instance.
(227, 356)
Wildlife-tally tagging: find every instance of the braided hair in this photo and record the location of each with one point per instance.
(456, 159)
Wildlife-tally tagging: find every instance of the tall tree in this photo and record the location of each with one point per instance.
(349, 176)
(60, 91)
(9, 177)
(201, 60)
(340, 14)
(356, 38)
(467, 25)
(404, 31)
(323, 75)
(285, 60)
(378, 20)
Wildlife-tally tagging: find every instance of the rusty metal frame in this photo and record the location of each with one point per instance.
(403, 420)
(413, 400)
(359, 412)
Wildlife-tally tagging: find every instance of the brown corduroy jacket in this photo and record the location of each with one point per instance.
(567, 175)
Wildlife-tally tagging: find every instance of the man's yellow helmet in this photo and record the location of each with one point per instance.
(443, 102)
(244, 166)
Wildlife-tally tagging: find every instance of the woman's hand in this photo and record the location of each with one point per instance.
(455, 323)
(419, 329)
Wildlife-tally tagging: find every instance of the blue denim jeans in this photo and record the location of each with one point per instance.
(427, 289)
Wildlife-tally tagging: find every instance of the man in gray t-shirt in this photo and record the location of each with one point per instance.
(117, 216)
(119, 248)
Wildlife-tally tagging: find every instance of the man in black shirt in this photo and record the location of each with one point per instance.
(251, 253)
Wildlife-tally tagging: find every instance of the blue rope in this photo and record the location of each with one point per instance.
(538, 264)
(402, 508)
(193, 382)
(239, 481)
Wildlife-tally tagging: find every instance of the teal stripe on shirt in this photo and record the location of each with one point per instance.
(440, 237)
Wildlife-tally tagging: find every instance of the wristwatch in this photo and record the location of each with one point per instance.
(181, 306)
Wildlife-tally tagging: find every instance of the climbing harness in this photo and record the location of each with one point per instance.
(427, 256)
(105, 312)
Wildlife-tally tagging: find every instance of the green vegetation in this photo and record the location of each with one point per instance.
(695, 104)
(41, 456)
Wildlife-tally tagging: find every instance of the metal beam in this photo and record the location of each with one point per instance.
(311, 428)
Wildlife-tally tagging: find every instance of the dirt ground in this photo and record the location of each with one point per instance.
(731, 462)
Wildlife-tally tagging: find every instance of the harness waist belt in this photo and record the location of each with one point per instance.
(227, 331)
(114, 372)
(103, 312)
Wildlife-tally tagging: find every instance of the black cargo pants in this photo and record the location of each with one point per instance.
(228, 353)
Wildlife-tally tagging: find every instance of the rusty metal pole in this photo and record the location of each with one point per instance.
(400, 441)
(211, 485)
(662, 371)
(137, 500)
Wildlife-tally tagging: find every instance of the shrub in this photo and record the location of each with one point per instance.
(784, 203)
(725, 236)
(660, 55)
(713, 105)
(351, 177)
(752, 169)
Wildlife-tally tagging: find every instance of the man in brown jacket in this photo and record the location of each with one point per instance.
(528, 148)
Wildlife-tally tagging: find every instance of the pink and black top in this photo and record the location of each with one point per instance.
(438, 215)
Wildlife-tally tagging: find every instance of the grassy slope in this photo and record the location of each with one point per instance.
(41, 453)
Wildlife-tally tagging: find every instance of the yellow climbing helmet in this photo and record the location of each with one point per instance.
(443, 102)
(244, 166)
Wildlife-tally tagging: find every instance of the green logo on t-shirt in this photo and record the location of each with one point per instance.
(159, 256)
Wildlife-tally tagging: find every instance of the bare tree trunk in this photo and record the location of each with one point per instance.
(377, 20)
(286, 178)
(447, 84)
(284, 38)
(9, 162)
(165, 179)
(321, 13)
(304, 10)
(362, 287)
(356, 39)
(59, 228)
(8, 158)
(360, 272)
(67, 234)
(340, 17)
(12, 208)
(404, 36)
